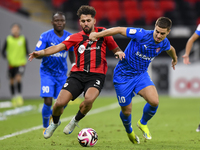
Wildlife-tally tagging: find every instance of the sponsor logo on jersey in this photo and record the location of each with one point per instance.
(39, 43)
(132, 31)
(82, 48)
(144, 56)
(59, 54)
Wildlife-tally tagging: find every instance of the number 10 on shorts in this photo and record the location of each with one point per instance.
(121, 99)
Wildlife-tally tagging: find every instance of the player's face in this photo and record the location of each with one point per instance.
(58, 22)
(160, 34)
(87, 23)
(15, 30)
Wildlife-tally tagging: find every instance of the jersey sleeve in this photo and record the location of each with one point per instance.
(166, 45)
(42, 43)
(198, 30)
(111, 44)
(135, 33)
(69, 42)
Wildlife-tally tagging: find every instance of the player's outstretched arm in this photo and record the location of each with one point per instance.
(172, 54)
(46, 52)
(188, 48)
(108, 32)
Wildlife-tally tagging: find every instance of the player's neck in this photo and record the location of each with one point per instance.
(59, 33)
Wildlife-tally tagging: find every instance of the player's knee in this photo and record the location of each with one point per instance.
(126, 112)
(59, 104)
(154, 103)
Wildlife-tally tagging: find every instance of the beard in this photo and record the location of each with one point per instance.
(87, 31)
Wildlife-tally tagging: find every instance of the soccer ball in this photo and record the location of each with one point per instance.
(87, 137)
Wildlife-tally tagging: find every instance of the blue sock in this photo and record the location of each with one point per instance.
(46, 113)
(126, 122)
(148, 112)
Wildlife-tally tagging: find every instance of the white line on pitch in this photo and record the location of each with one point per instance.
(92, 112)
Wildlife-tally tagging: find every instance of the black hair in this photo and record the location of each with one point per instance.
(86, 10)
(58, 12)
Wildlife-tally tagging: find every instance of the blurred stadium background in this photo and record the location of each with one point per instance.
(35, 17)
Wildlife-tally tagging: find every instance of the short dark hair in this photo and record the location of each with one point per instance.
(16, 24)
(58, 12)
(164, 22)
(86, 10)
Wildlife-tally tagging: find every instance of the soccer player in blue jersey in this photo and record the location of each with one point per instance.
(131, 76)
(53, 69)
(188, 48)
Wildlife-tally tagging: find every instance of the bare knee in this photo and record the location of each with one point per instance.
(154, 103)
(126, 111)
(48, 101)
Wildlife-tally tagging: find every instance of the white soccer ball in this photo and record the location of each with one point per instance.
(87, 137)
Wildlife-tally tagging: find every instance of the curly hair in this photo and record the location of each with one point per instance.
(86, 10)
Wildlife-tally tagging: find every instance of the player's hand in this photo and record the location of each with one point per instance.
(120, 55)
(34, 54)
(92, 36)
(174, 62)
(186, 59)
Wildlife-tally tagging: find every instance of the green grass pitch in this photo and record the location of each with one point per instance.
(172, 128)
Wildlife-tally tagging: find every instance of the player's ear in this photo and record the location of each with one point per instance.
(94, 21)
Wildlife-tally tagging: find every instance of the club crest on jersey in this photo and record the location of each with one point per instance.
(132, 31)
(157, 50)
(81, 49)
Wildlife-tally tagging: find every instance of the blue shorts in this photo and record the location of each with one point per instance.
(125, 90)
(51, 86)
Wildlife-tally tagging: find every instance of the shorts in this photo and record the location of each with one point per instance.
(13, 71)
(51, 86)
(79, 82)
(125, 91)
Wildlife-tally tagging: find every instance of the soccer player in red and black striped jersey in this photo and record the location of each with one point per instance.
(88, 74)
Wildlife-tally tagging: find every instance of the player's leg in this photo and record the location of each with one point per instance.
(124, 95)
(148, 91)
(93, 83)
(19, 97)
(63, 98)
(11, 74)
(47, 92)
(46, 112)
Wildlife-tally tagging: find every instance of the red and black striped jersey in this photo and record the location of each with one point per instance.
(90, 55)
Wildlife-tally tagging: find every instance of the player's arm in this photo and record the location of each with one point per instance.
(108, 32)
(46, 52)
(172, 54)
(72, 57)
(118, 53)
(188, 48)
(4, 49)
(26, 46)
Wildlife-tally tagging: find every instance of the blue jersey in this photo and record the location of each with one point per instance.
(55, 64)
(198, 30)
(140, 51)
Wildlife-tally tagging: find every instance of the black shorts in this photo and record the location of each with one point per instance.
(13, 71)
(79, 82)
